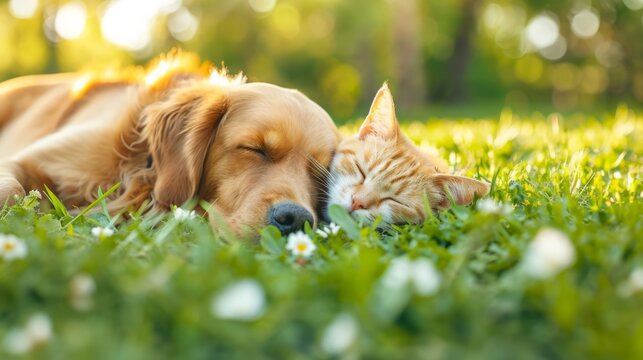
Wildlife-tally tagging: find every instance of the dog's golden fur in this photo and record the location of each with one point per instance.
(167, 133)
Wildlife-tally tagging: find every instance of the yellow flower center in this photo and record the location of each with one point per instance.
(301, 247)
(8, 246)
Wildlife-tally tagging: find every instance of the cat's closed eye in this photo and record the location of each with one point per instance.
(396, 176)
(392, 200)
(361, 171)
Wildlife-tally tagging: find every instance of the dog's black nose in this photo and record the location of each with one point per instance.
(289, 217)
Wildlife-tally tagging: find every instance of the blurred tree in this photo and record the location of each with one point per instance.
(461, 57)
(339, 52)
(407, 53)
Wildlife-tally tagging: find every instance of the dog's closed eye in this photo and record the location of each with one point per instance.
(256, 150)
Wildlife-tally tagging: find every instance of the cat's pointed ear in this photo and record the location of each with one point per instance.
(381, 120)
(461, 188)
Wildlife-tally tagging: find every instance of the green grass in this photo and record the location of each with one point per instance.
(156, 277)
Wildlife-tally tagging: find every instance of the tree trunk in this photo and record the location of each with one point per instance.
(407, 54)
(462, 51)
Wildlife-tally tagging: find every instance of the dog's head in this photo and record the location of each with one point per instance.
(257, 152)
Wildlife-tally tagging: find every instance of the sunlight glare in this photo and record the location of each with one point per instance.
(493, 16)
(542, 31)
(128, 24)
(170, 6)
(222, 78)
(70, 20)
(80, 86)
(159, 71)
(23, 9)
(182, 24)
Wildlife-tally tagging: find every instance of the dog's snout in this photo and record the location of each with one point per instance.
(289, 217)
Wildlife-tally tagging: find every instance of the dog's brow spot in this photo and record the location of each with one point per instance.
(272, 139)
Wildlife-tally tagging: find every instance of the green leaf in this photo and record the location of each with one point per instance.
(427, 206)
(272, 241)
(59, 208)
(103, 203)
(340, 216)
(96, 202)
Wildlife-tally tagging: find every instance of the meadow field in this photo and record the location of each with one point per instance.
(548, 266)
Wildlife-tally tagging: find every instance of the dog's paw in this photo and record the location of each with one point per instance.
(10, 190)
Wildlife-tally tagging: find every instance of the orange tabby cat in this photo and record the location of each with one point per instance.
(380, 172)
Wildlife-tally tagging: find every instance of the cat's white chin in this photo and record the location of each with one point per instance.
(343, 204)
(363, 216)
(340, 193)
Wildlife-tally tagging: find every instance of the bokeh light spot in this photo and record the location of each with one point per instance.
(128, 24)
(170, 6)
(23, 9)
(556, 51)
(286, 20)
(342, 85)
(564, 76)
(608, 53)
(593, 79)
(262, 6)
(70, 20)
(542, 31)
(634, 4)
(320, 24)
(493, 16)
(182, 24)
(585, 23)
(528, 69)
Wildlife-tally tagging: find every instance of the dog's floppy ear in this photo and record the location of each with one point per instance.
(179, 131)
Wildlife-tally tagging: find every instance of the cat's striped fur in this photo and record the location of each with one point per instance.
(380, 172)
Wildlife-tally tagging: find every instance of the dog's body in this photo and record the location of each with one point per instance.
(167, 136)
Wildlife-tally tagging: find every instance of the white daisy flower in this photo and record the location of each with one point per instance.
(39, 328)
(636, 279)
(38, 331)
(321, 233)
(426, 279)
(300, 244)
(340, 334)
(12, 248)
(633, 284)
(102, 232)
(17, 342)
(182, 214)
(36, 194)
(81, 290)
(491, 206)
(421, 274)
(398, 273)
(550, 252)
(330, 229)
(244, 300)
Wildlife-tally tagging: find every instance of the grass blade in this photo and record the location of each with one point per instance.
(93, 204)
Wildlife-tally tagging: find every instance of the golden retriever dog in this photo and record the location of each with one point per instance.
(168, 133)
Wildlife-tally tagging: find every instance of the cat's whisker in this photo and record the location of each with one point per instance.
(381, 163)
(316, 164)
(320, 174)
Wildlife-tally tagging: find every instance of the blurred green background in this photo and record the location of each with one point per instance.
(527, 54)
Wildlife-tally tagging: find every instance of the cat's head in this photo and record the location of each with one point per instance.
(380, 172)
